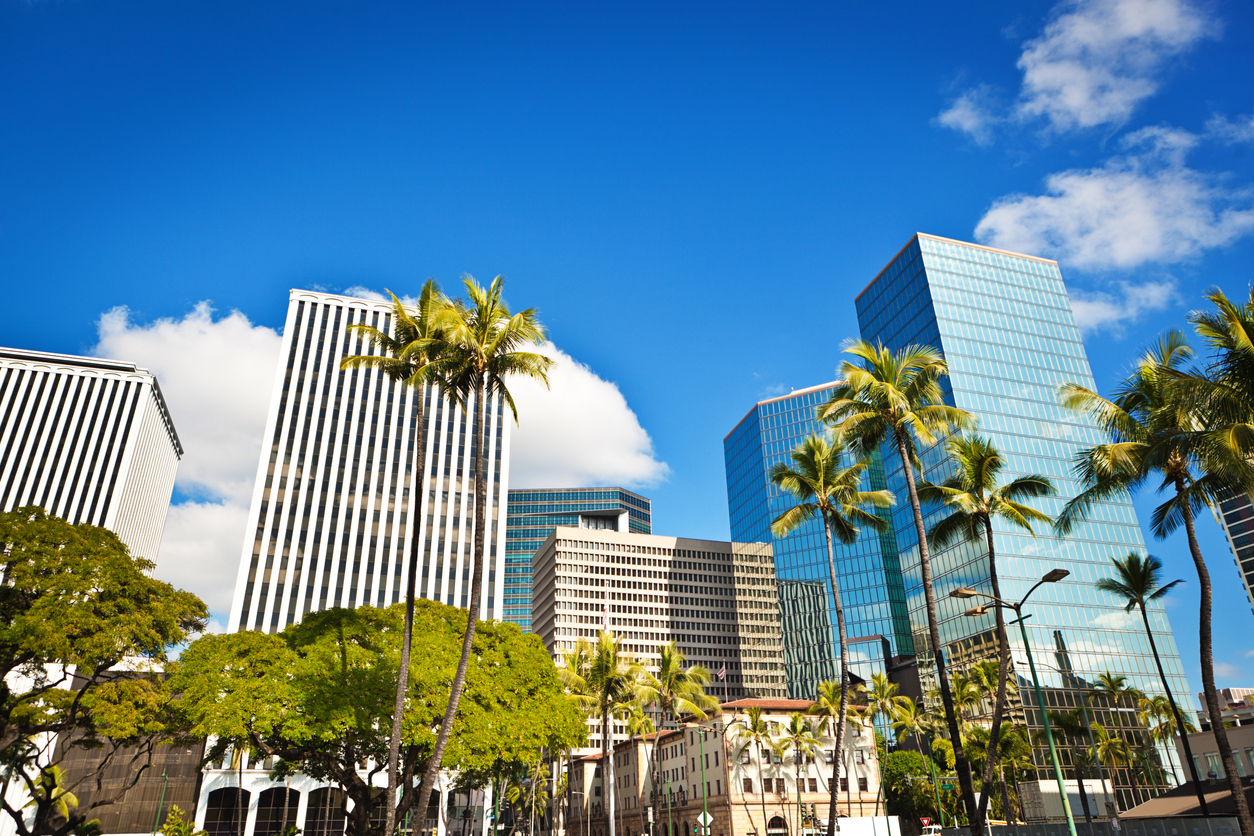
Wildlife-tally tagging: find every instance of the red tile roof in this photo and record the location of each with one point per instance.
(770, 705)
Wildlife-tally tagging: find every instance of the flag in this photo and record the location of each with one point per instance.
(722, 672)
(605, 616)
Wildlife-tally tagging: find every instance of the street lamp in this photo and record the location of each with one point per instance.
(1052, 576)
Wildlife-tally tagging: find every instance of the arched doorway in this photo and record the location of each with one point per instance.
(776, 827)
(325, 814)
(226, 811)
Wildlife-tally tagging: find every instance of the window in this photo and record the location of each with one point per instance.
(1213, 764)
(844, 785)
(814, 785)
(862, 785)
(859, 756)
(747, 786)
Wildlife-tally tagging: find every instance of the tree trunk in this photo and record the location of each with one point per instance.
(832, 826)
(1175, 709)
(411, 584)
(762, 787)
(1084, 797)
(472, 616)
(1003, 673)
(961, 766)
(608, 784)
(1208, 671)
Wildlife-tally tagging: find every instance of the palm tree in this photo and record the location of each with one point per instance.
(799, 738)
(677, 690)
(1224, 393)
(1168, 726)
(882, 700)
(1070, 726)
(976, 497)
(1137, 581)
(1115, 689)
(482, 343)
(1113, 750)
(913, 719)
(896, 398)
(755, 732)
(1155, 432)
(638, 725)
(411, 355)
(825, 490)
(612, 680)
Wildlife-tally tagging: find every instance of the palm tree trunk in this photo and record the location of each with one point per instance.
(1208, 671)
(411, 584)
(762, 787)
(1084, 797)
(837, 744)
(1175, 709)
(472, 616)
(607, 768)
(961, 766)
(1003, 673)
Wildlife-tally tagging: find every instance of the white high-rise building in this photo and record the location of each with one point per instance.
(88, 440)
(331, 509)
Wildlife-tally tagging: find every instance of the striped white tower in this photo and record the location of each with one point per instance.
(88, 440)
(330, 514)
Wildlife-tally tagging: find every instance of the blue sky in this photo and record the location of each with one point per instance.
(690, 196)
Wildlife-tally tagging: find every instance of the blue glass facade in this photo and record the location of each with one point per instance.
(1006, 329)
(533, 513)
(867, 571)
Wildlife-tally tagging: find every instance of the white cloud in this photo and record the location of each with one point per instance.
(365, 293)
(973, 114)
(1229, 131)
(1119, 620)
(1143, 206)
(1228, 671)
(1093, 64)
(1113, 310)
(216, 376)
(580, 431)
(1098, 59)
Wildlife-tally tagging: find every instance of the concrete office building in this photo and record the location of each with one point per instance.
(88, 440)
(868, 571)
(1005, 326)
(717, 600)
(332, 519)
(1236, 515)
(533, 513)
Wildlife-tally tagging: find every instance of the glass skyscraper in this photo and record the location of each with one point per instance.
(1006, 329)
(533, 513)
(867, 571)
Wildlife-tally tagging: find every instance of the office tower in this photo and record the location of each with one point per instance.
(533, 513)
(88, 440)
(868, 572)
(1005, 327)
(1236, 515)
(331, 511)
(717, 600)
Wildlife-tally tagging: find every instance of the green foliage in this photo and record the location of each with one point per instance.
(176, 825)
(903, 796)
(943, 752)
(75, 599)
(319, 696)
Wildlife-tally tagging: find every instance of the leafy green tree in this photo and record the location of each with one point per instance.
(318, 697)
(76, 608)
(176, 825)
(834, 495)
(907, 792)
(481, 352)
(975, 497)
(1156, 433)
(895, 398)
(411, 354)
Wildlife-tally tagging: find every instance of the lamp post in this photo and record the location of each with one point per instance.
(1052, 576)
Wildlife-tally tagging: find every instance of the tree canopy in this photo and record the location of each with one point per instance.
(319, 697)
(84, 634)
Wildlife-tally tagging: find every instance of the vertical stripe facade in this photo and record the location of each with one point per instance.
(88, 440)
(330, 523)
